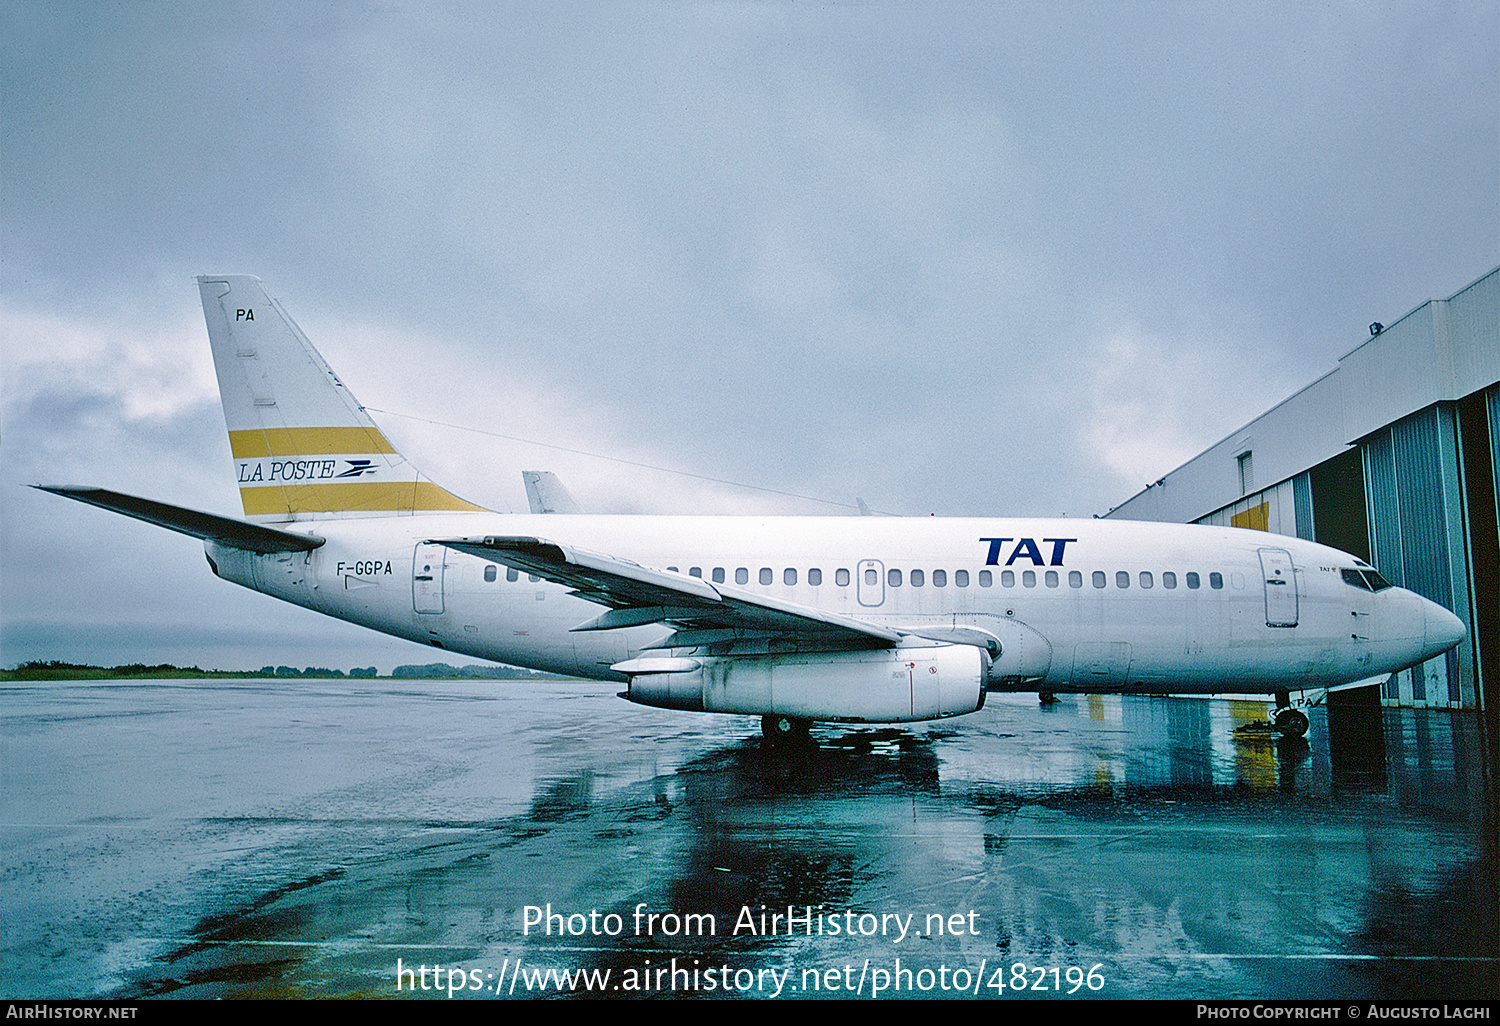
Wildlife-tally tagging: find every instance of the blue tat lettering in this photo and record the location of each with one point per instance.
(1057, 548)
(1026, 547)
(993, 559)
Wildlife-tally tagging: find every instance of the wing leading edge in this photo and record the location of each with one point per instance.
(702, 613)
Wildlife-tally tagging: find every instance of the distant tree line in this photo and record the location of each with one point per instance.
(53, 669)
(443, 671)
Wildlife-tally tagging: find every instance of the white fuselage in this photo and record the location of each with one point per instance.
(1080, 605)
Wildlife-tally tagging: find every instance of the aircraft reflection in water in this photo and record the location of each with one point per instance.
(795, 619)
(1120, 831)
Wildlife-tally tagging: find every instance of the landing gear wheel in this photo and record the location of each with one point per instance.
(1047, 698)
(785, 729)
(1291, 722)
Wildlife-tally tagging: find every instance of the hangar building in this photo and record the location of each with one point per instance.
(1394, 455)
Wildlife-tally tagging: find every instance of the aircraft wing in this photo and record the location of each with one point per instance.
(207, 526)
(702, 613)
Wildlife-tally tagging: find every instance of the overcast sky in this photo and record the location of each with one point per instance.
(964, 259)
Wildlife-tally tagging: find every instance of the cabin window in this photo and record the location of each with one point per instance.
(1051, 578)
(1122, 578)
(1168, 579)
(695, 571)
(871, 577)
(1192, 581)
(893, 578)
(918, 578)
(1075, 579)
(940, 578)
(533, 578)
(673, 569)
(789, 576)
(841, 578)
(985, 580)
(814, 577)
(1028, 578)
(1146, 581)
(766, 575)
(718, 575)
(1216, 580)
(489, 572)
(741, 575)
(961, 578)
(512, 574)
(1007, 578)
(1099, 579)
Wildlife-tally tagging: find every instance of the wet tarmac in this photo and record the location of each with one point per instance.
(395, 839)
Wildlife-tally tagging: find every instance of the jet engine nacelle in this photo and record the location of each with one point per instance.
(891, 685)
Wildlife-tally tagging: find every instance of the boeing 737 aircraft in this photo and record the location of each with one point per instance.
(794, 619)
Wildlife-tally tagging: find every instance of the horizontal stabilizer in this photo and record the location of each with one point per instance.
(232, 533)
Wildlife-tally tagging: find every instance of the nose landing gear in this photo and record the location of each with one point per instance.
(1290, 722)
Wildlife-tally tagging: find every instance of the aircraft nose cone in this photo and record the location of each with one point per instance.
(1443, 629)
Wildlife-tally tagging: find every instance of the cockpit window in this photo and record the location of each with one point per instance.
(1369, 580)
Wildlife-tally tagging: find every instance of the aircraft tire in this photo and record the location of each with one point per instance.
(785, 729)
(1291, 722)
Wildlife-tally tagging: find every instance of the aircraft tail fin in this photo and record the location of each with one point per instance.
(303, 446)
(545, 493)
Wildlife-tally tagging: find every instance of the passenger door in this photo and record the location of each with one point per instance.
(427, 577)
(1280, 587)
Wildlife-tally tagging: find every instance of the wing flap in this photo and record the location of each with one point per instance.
(640, 594)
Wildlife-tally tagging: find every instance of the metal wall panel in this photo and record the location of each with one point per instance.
(1383, 502)
(1492, 399)
(1474, 332)
(1422, 507)
(1417, 534)
(1302, 501)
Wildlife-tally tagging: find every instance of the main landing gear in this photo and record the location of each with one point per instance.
(1290, 722)
(783, 730)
